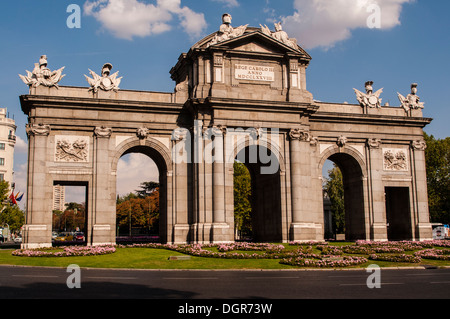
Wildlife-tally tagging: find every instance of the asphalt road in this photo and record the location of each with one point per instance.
(51, 283)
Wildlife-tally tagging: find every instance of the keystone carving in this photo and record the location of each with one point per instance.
(342, 141)
(142, 133)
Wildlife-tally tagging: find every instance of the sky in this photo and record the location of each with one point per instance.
(391, 42)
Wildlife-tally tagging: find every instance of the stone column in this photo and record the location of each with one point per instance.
(422, 215)
(303, 227)
(103, 217)
(376, 199)
(220, 227)
(181, 151)
(38, 223)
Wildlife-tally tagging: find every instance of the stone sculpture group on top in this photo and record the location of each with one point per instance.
(42, 75)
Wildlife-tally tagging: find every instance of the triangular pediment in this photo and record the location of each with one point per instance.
(254, 40)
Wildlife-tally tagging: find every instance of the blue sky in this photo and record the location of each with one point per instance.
(144, 38)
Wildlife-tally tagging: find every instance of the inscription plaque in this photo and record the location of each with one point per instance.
(254, 73)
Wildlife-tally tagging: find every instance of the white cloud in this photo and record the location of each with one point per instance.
(134, 169)
(228, 3)
(323, 23)
(21, 146)
(132, 18)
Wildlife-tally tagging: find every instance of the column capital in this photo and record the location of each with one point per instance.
(419, 145)
(103, 132)
(179, 134)
(300, 135)
(374, 143)
(38, 129)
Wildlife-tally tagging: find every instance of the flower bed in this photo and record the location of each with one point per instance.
(396, 258)
(310, 254)
(250, 247)
(66, 251)
(324, 262)
(436, 254)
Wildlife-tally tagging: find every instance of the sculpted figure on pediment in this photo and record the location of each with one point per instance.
(226, 31)
(280, 35)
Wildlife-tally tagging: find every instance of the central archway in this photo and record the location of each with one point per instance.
(266, 213)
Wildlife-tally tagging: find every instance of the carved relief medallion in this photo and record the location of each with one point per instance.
(395, 159)
(72, 149)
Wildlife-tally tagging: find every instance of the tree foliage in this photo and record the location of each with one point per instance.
(438, 178)
(140, 209)
(242, 199)
(146, 189)
(10, 215)
(71, 219)
(334, 187)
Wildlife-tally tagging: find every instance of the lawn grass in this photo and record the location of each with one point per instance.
(150, 258)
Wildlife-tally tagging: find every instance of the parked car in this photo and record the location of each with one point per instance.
(18, 239)
(64, 237)
(2, 239)
(60, 237)
(79, 236)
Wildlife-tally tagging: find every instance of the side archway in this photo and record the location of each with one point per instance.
(159, 154)
(353, 169)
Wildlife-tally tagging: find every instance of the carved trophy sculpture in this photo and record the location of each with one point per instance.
(106, 82)
(412, 101)
(226, 31)
(280, 35)
(369, 99)
(42, 75)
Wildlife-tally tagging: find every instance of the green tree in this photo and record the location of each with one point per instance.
(147, 188)
(139, 209)
(242, 199)
(12, 216)
(438, 178)
(4, 193)
(334, 187)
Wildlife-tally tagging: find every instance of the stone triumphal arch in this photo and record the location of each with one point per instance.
(240, 95)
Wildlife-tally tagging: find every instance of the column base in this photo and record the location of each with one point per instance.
(36, 236)
(211, 233)
(424, 232)
(304, 232)
(180, 234)
(221, 233)
(102, 235)
(379, 232)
